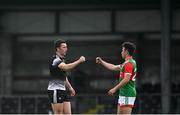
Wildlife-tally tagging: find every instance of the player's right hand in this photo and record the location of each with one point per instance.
(82, 59)
(98, 60)
(72, 91)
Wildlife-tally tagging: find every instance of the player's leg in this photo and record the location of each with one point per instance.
(57, 108)
(67, 107)
(67, 104)
(56, 98)
(124, 110)
(125, 104)
(118, 109)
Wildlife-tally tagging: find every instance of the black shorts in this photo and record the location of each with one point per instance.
(58, 96)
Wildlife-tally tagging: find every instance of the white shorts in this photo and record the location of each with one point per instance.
(126, 101)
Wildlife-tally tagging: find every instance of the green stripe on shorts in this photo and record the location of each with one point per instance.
(126, 100)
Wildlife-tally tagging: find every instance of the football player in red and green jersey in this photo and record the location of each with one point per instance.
(126, 86)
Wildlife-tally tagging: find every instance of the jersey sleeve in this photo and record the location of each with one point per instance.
(56, 62)
(128, 68)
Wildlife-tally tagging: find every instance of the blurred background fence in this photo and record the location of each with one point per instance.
(85, 104)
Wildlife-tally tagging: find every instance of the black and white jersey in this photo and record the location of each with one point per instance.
(58, 76)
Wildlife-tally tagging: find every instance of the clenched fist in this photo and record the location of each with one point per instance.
(82, 59)
(98, 60)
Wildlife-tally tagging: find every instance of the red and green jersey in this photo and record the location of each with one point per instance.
(128, 67)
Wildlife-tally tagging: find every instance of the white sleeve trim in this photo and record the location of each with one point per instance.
(119, 66)
(128, 73)
(55, 61)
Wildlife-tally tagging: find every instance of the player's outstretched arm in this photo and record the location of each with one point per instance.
(72, 65)
(107, 65)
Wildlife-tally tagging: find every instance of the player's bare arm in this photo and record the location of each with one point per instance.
(72, 65)
(122, 83)
(107, 65)
(71, 89)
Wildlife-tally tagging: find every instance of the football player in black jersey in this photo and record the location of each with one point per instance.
(60, 99)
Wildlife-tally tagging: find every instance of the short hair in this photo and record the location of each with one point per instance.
(58, 42)
(130, 47)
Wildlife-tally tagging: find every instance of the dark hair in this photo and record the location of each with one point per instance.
(58, 42)
(130, 47)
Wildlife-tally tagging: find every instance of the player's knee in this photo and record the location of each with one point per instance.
(125, 110)
(59, 112)
(67, 112)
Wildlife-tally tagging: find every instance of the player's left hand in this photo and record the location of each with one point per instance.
(111, 91)
(72, 91)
